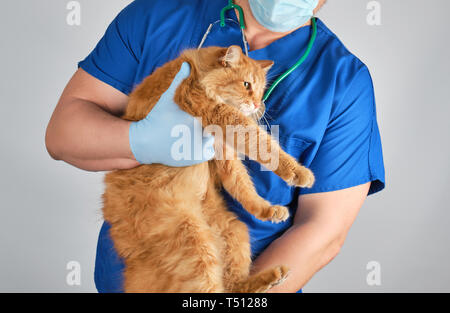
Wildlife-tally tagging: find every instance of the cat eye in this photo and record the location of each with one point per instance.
(247, 85)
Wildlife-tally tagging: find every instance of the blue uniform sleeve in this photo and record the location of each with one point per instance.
(350, 153)
(115, 59)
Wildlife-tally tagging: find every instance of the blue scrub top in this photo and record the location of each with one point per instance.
(325, 109)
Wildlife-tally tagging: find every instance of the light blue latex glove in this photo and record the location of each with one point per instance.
(156, 139)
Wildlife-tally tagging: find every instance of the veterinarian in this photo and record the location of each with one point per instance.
(325, 110)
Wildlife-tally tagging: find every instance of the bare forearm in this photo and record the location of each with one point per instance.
(84, 135)
(321, 224)
(305, 249)
(103, 165)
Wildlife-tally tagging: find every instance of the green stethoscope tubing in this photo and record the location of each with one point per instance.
(311, 42)
(232, 6)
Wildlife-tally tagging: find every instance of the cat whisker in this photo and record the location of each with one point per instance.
(256, 118)
(263, 121)
(267, 123)
(272, 75)
(260, 115)
(268, 115)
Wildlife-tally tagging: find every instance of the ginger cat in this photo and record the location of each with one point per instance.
(171, 225)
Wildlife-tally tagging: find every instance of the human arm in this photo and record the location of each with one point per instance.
(150, 140)
(320, 227)
(85, 129)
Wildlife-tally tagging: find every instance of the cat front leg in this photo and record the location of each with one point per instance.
(268, 152)
(246, 138)
(258, 145)
(293, 173)
(235, 179)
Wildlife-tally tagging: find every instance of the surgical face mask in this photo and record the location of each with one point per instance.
(282, 15)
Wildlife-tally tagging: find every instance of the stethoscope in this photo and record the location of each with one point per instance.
(222, 21)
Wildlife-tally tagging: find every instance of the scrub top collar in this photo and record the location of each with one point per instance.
(297, 40)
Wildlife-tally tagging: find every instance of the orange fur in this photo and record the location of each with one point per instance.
(171, 225)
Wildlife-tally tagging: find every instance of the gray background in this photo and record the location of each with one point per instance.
(50, 211)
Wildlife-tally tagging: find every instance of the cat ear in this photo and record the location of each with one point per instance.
(265, 64)
(232, 56)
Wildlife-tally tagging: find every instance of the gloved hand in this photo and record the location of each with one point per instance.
(157, 138)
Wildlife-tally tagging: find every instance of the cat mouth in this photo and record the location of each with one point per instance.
(247, 109)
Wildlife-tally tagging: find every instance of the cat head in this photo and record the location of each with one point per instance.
(228, 76)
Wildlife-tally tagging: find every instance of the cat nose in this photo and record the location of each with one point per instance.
(256, 105)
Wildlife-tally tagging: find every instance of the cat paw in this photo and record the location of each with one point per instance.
(275, 214)
(302, 177)
(263, 281)
(279, 275)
